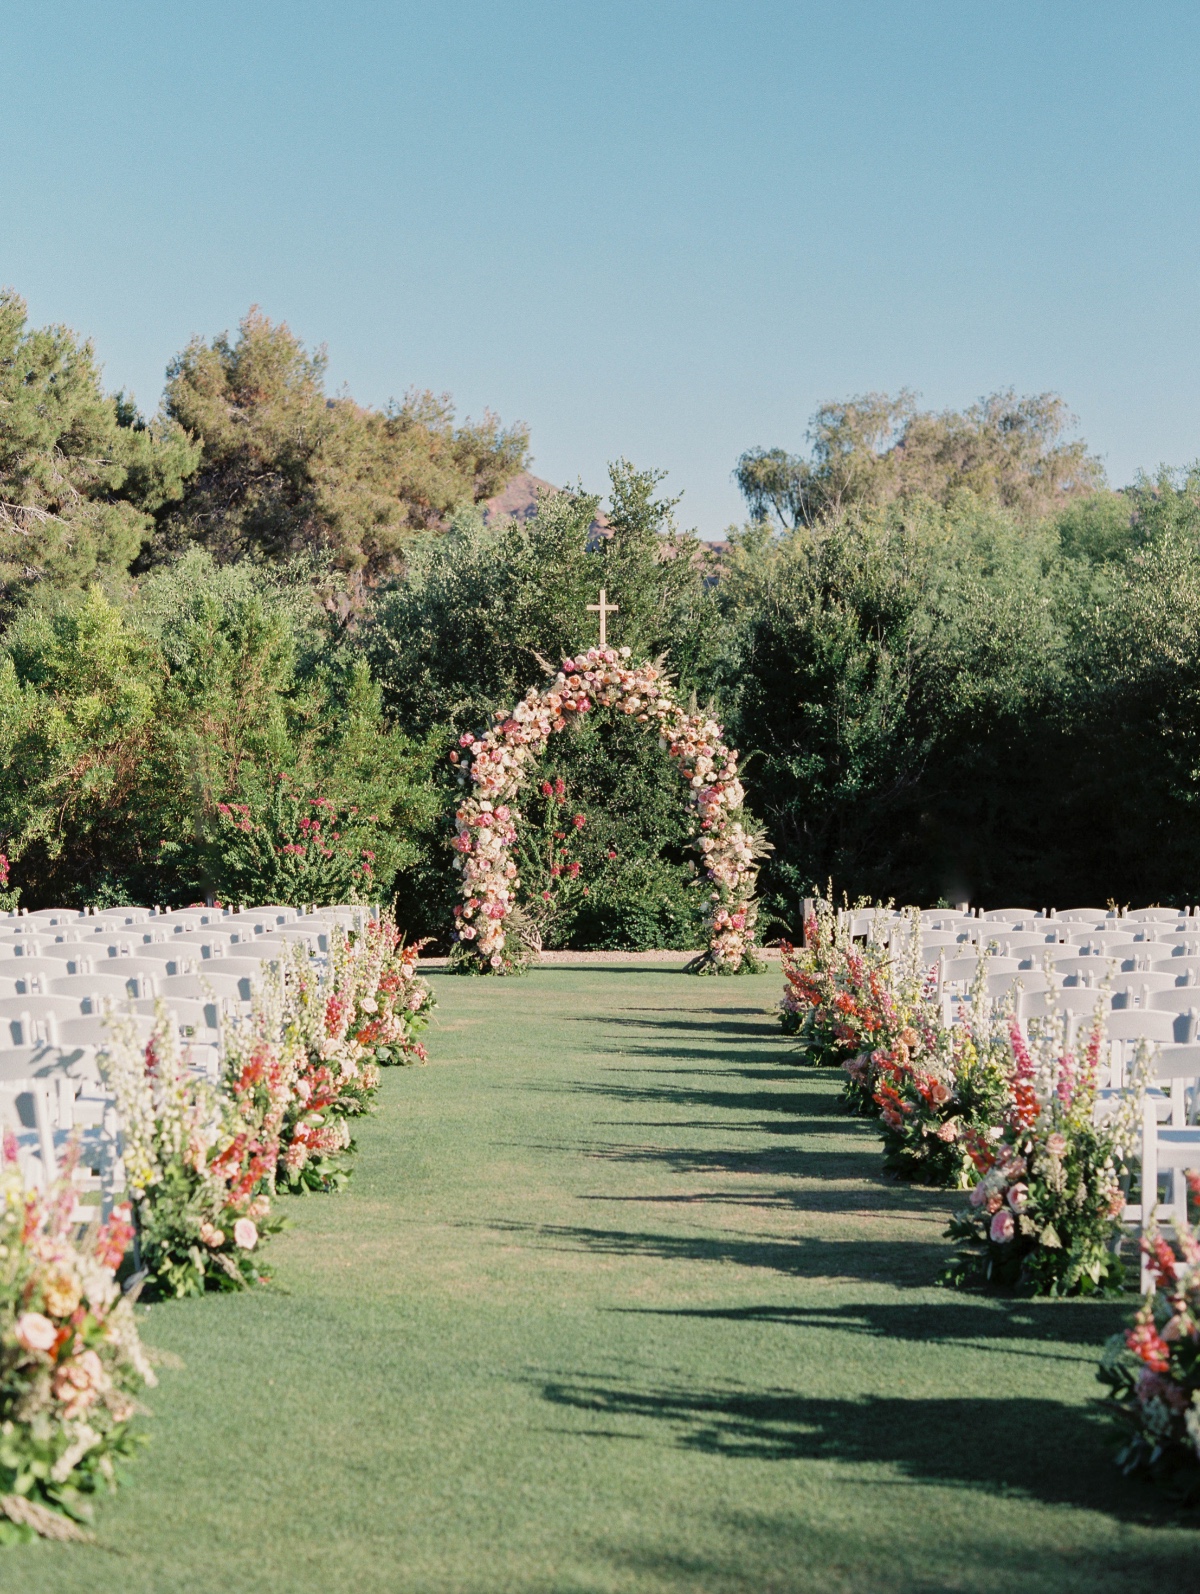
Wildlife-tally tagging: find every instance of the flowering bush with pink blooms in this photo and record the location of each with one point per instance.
(286, 845)
(1153, 1369)
(71, 1364)
(1045, 1212)
(492, 768)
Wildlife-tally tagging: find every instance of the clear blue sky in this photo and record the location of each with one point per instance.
(664, 230)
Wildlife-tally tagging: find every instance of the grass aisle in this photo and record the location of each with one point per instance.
(617, 1301)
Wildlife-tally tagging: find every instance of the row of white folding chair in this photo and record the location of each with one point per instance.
(58, 1022)
(1169, 1149)
(1182, 968)
(47, 1110)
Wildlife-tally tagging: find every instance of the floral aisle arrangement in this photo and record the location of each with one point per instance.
(199, 1157)
(934, 1099)
(1045, 1212)
(341, 1023)
(1153, 1369)
(71, 1364)
(492, 767)
(855, 1005)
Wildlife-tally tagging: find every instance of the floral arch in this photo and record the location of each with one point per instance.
(492, 767)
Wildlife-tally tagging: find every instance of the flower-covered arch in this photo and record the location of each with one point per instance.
(492, 767)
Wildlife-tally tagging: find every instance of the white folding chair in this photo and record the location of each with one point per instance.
(115, 987)
(205, 986)
(1137, 989)
(1078, 1000)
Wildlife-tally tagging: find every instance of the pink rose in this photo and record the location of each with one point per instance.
(78, 1383)
(35, 1332)
(1003, 1228)
(245, 1235)
(1018, 1197)
(949, 1130)
(1056, 1145)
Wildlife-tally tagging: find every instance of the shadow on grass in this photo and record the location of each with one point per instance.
(798, 1554)
(957, 1320)
(901, 1262)
(1040, 1449)
(860, 1165)
(883, 1200)
(794, 1102)
(700, 1026)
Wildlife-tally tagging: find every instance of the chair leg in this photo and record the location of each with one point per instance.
(1149, 1183)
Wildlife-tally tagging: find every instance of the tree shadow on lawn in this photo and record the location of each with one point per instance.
(859, 1166)
(753, 1070)
(958, 1320)
(807, 1198)
(1040, 1449)
(691, 1025)
(794, 1102)
(876, 1261)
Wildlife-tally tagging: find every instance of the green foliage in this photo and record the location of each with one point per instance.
(293, 848)
(287, 469)
(634, 886)
(873, 449)
(461, 634)
(81, 474)
(122, 731)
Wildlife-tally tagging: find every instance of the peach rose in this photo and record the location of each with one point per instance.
(35, 1332)
(79, 1382)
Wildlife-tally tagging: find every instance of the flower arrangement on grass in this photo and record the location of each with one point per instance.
(1153, 1369)
(864, 1007)
(935, 1099)
(199, 1157)
(362, 1011)
(1045, 1212)
(492, 767)
(71, 1364)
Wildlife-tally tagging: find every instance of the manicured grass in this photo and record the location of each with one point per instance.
(617, 1300)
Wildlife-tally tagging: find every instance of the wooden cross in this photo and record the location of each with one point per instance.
(603, 609)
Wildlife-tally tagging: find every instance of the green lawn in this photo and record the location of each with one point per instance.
(617, 1300)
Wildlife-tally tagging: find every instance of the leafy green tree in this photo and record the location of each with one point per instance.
(81, 473)
(123, 732)
(462, 632)
(887, 675)
(287, 469)
(870, 450)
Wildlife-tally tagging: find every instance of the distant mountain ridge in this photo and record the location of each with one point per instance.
(519, 499)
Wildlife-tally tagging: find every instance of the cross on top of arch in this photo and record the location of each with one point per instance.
(492, 768)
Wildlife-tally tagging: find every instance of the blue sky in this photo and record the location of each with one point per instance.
(660, 230)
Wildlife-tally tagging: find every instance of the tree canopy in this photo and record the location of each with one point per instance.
(82, 475)
(287, 468)
(873, 449)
